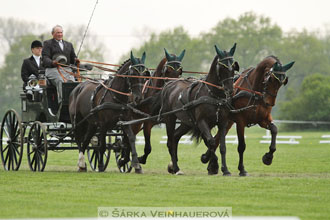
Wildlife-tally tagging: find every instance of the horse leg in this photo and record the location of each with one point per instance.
(223, 149)
(170, 128)
(147, 146)
(87, 137)
(268, 157)
(102, 136)
(241, 148)
(131, 138)
(179, 132)
(209, 142)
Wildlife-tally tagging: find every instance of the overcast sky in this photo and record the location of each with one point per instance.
(120, 23)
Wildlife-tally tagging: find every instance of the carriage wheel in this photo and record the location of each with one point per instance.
(94, 156)
(126, 168)
(37, 147)
(119, 149)
(11, 146)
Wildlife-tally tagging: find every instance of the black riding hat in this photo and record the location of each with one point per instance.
(36, 43)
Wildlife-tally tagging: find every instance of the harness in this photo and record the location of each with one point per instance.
(255, 96)
(118, 104)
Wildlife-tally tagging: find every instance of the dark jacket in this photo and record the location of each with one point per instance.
(29, 67)
(51, 48)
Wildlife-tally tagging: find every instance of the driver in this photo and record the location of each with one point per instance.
(58, 51)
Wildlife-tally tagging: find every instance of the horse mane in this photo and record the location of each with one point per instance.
(213, 65)
(124, 66)
(274, 57)
(160, 67)
(267, 63)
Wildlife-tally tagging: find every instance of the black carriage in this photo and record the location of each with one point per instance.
(43, 126)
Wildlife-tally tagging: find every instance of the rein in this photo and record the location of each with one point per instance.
(246, 76)
(248, 90)
(119, 75)
(116, 65)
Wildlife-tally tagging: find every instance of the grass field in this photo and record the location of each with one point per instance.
(296, 184)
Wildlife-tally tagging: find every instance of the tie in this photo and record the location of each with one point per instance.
(61, 44)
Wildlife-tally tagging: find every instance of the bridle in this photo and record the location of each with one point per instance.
(168, 65)
(229, 67)
(141, 70)
(276, 75)
(268, 75)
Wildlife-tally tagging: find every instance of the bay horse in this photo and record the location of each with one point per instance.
(170, 66)
(254, 97)
(207, 109)
(108, 107)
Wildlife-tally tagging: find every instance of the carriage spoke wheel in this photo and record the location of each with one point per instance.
(126, 168)
(37, 147)
(119, 149)
(94, 157)
(11, 146)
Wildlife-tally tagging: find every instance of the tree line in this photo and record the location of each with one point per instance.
(305, 97)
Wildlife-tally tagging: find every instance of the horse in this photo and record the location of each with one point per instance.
(107, 106)
(170, 66)
(199, 105)
(254, 97)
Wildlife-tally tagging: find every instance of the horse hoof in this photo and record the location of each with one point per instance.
(170, 168)
(82, 169)
(244, 173)
(204, 158)
(179, 173)
(226, 173)
(138, 170)
(142, 160)
(267, 159)
(212, 172)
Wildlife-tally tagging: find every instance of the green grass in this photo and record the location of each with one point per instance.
(296, 184)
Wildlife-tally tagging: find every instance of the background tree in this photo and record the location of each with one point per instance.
(175, 41)
(310, 103)
(256, 38)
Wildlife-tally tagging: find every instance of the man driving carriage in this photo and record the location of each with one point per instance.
(57, 56)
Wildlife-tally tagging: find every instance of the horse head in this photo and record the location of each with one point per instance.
(137, 68)
(173, 66)
(225, 67)
(273, 80)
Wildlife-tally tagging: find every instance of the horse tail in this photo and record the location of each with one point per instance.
(196, 134)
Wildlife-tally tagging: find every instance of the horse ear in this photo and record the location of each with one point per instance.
(143, 58)
(287, 66)
(133, 60)
(168, 56)
(232, 50)
(277, 67)
(219, 52)
(181, 55)
(236, 66)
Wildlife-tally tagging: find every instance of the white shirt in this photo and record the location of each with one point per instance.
(37, 59)
(60, 42)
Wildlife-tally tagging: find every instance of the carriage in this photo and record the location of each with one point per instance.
(196, 104)
(43, 126)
